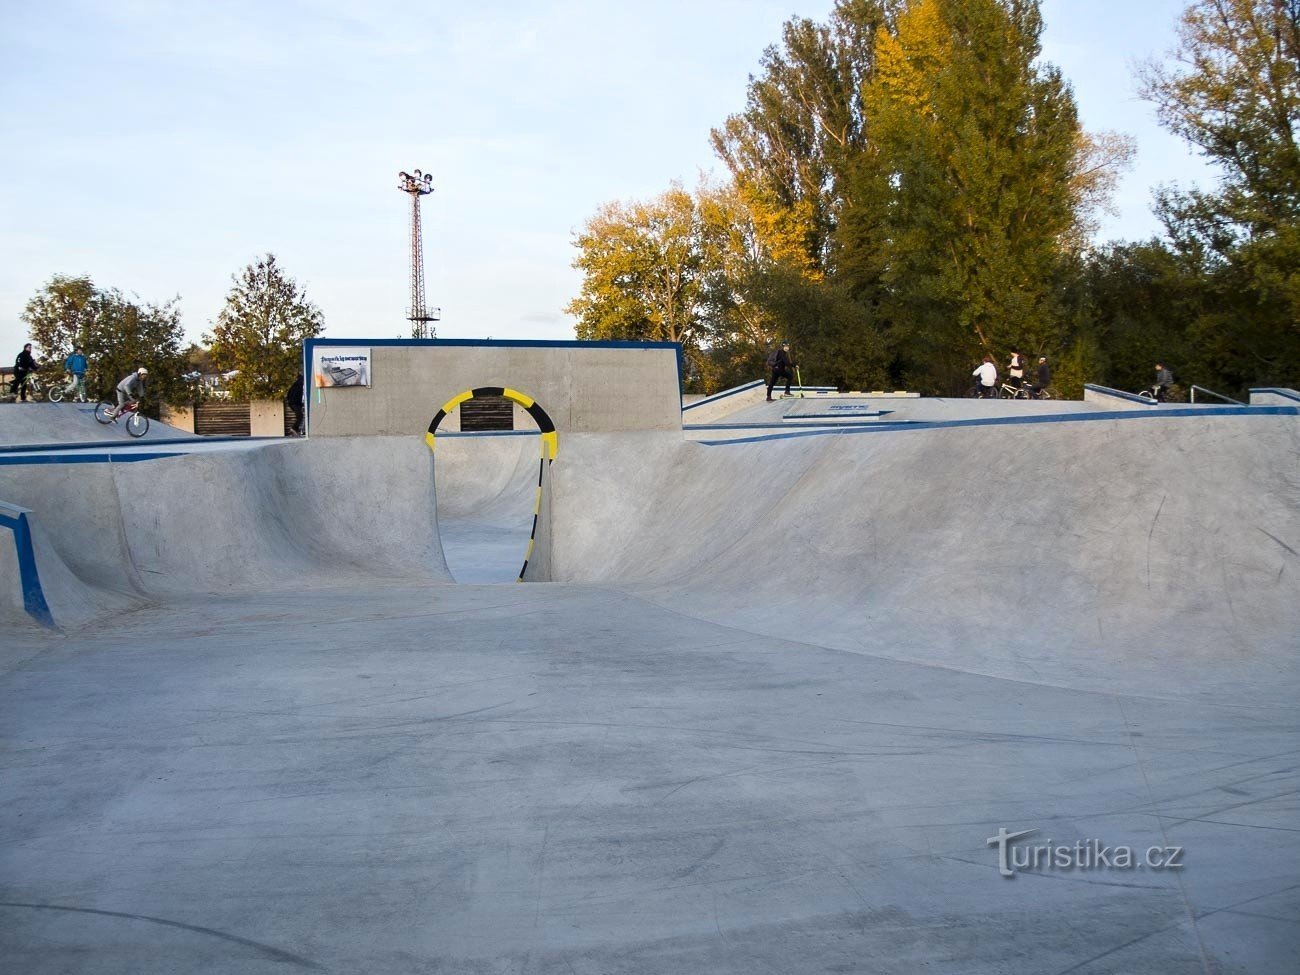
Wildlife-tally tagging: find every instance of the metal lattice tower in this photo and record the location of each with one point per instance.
(417, 185)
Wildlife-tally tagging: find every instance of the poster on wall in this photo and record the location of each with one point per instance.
(338, 366)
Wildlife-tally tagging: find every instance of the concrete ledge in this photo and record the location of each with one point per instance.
(1274, 396)
(1114, 399)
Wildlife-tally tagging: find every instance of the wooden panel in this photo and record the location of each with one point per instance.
(487, 413)
(223, 420)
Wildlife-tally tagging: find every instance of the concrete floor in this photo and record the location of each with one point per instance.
(560, 778)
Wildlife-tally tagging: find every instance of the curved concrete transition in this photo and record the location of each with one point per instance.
(778, 700)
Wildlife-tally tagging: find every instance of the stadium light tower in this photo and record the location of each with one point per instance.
(416, 185)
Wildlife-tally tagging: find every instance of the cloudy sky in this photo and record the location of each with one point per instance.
(160, 146)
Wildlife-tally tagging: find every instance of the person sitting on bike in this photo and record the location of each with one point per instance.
(24, 366)
(1016, 369)
(130, 389)
(1043, 377)
(75, 366)
(988, 378)
(1164, 379)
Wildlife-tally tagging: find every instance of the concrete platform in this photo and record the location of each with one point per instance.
(779, 698)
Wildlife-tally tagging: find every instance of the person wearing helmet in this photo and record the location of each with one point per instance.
(131, 389)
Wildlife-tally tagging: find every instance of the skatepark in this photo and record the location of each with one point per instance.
(775, 676)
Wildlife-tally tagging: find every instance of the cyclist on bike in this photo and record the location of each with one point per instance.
(988, 378)
(1164, 379)
(24, 366)
(1043, 378)
(1016, 369)
(130, 390)
(75, 366)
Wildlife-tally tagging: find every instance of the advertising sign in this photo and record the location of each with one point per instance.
(338, 366)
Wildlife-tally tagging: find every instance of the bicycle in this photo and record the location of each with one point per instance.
(35, 388)
(137, 424)
(60, 390)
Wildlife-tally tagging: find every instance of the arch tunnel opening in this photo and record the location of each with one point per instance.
(493, 492)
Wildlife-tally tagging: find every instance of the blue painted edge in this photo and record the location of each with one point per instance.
(87, 458)
(1120, 394)
(1279, 391)
(28, 574)
(312, 344)
(734, 390)
(791, 425)
(900, 427)
(107, 444)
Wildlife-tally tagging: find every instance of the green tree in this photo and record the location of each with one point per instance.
(261, 330)
(972, 194)
(118, 335)
(643, 272)
(790, 150)
(1232, 90)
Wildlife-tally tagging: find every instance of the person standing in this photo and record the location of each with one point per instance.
(782, 368)
(1016, 369)
(988, 378)
(293, 403)
(24, 366)
(75, 365)
(1164, 379)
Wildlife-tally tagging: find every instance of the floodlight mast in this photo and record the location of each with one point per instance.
(416, 185)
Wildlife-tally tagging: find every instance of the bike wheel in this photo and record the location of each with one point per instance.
(104, 412)
(56, 394)
(137, 425)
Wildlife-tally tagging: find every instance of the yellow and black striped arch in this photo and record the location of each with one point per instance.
(550, 443)
(550, 440)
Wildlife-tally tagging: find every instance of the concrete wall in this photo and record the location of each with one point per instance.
(266, 418)
(584, 386)
(181, 417)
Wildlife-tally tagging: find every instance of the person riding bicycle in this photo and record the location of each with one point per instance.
(130, 390)
(1164, 379)
(24, 366)
(988, 378)
(75, 366)
(1042, 378)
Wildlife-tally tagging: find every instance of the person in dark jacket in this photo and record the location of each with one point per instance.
(1164, 379)
(293, 403)
(1043, 375)
(24, 366)
(782, 368)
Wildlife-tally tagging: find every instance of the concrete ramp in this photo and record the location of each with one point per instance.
(51, 423)
(1162, 554)
(285, 516)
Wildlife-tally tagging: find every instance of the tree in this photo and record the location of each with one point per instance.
(643, 272)
(789, 151)
(118, 335)
(1233, 91)
(261, 330)
(974, 189)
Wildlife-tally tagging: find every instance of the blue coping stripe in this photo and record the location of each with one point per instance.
(904, 426)
(791, 424)
(1279, 391)
(107, 444)
(29, 576)
(724, 394)
(125, 457)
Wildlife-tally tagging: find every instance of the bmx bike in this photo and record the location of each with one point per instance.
(137, 424)
(59, 390)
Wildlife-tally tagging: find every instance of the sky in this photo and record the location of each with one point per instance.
(159, 147)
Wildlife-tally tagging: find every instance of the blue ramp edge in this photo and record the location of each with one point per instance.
(15, 519)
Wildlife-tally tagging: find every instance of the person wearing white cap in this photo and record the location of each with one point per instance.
(131, 389)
